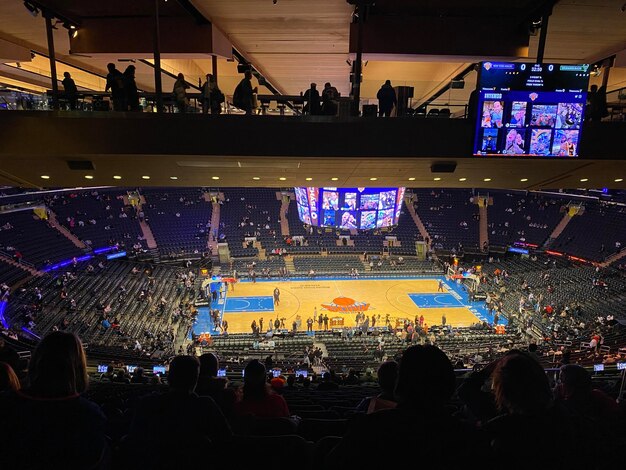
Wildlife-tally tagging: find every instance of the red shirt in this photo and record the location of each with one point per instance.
(270, 406)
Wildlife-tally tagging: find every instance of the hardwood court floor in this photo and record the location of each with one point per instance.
(385, 296)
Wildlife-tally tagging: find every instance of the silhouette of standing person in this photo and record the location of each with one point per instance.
(312, 98)
(386, 99)
(180, 93)
(70, 90)
(244, 93)
(115, 83)
(130, 89)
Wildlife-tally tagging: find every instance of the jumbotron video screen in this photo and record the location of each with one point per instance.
(350, 208)
(533, 110)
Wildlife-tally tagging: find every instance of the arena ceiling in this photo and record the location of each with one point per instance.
(293, 43)
(296, 42)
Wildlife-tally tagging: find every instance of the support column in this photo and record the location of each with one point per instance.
(53, 64)
(543, 34)
(214, 66)
(357, 67)
(158, 87)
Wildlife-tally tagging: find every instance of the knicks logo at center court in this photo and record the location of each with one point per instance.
(345, 304)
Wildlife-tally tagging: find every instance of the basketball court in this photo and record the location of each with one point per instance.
(399, 298)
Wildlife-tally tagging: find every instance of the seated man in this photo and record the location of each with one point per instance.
(179, 421)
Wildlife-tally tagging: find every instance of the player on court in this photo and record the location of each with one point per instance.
(440, 288)
(276, 296)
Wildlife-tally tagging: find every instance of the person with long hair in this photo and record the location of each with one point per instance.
(530, 426)
(48, 424)
(8, 379)
(257, 398)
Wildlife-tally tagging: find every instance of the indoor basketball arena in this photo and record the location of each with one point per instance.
(332, 234)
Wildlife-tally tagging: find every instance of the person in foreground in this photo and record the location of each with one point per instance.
(425, 385)
(258, 399)
(179, 422)
(48, 424)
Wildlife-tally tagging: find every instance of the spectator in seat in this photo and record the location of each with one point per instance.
(257, 398)
(138, 376)
(327, 383)
(9, 355)
(575, 391)
(529, 420)
(387, 376)
(174, 425)
(210, 385)
(425, 385)
(8, 379)
(48, 424)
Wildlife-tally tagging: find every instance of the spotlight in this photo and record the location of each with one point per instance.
(33, 10)
(72, 33)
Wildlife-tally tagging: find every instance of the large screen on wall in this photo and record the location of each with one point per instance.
(350, 208)
(530, 109)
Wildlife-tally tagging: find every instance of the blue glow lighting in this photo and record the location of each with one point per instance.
(26, 330)
(3, 306)
(513, 249)
(62, 264)
(120, 254)
(104, 250)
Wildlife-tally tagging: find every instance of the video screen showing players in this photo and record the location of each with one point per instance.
(368, 220)
(330, 200)
(304, 214)
(329, 218)
(369, 201)
(348, 220)
(530, 109)
(350, 208)
(387, 200)
(349, 202)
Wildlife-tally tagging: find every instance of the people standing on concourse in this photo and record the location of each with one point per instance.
(386, 99)
(180, 93)
(115, 83)
(130, 89)
(70, 90)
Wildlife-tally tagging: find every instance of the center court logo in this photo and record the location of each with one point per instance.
(346, 304)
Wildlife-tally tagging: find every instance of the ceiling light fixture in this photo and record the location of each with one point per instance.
(282, 178)
(486, 180)
(462, 179)
(173, 177)
(309, 179)
(619, 180)
(373, 179)
(334, 179)
(584, 180)
(256, 178)
(437, 179)
(45, 177)
(215, 177)
(117, 177)
(523, 180)
(145, 177)
(412, 178)
(88, 177)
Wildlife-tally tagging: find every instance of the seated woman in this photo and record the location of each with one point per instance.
(257, 398)
(48, 424)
